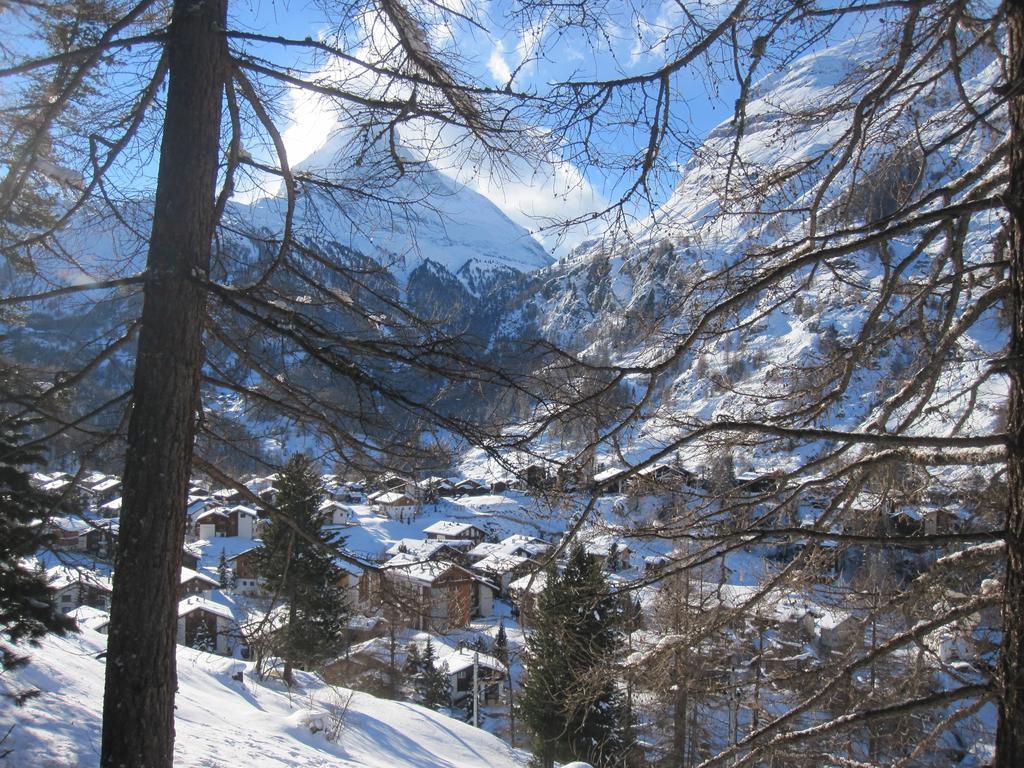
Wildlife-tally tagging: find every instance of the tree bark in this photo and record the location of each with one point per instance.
(1010, 732)
(138, 708)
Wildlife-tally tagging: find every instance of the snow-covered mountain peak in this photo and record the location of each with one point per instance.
(404, 212)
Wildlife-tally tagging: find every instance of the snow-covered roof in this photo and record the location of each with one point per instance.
(602, 545)
(210, 513)
(70, 524)
(62, 576)
(463, 659)
(536, 586)
(451, 528)
(194, 603)
(607, 474)
(500, 563)
(187, 574)
(423, 548)
(114, 505)
(56, 485)
(241, 509)
(87, 616)
(485, 548)
(425, 572)
(393, 498)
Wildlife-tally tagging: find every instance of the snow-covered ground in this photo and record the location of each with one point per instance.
(223, 722)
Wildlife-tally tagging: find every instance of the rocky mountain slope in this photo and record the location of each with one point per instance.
(630, 297)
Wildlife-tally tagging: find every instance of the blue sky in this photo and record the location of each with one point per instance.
(539, 51)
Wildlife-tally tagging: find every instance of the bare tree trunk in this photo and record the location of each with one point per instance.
(1010, 733)
(289, 664)
(138, 710)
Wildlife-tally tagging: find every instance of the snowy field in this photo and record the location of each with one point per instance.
(222, 722)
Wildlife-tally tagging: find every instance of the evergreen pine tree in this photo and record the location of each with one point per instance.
(500, 650)
(569, 699)
(436, 690)
(203, 640)
(27, 609)
(296, 564)
(223, 574)
(413, 663)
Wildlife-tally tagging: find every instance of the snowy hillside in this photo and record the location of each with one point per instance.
(223, 722)
(630, 297)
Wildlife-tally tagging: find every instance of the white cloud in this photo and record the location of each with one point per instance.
(497, 65)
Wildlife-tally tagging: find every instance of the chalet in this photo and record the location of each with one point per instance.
(112, 508)
(195, 583)
(105, 490)
(92, 478)
(69, 533)
(940, 520)
(452, 551)
(43, 480)
(101, 537)
(470, 488)
(60, 484)
(226, 495)
(211, 523)
(755, 484)
(214, 521)
(260, 484)
(202, 621)
(396, 506)
(503, 569)
(610, 554)
(516, 544)
(439, 596)
(190, 557)
(610, 481)
(393, 483)
(446, 530)
(524, 592)
(75, 587)
(76, 534)
(243, 568)
(661, 478)
(95, 619)
(356, 581)
(527, 546)
(490, 674)
(432, 487)
(241, 521)
(336, 513)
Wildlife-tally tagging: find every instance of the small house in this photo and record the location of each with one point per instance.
(396, 506)
(437, 596)
(241, 521)
(243, 568)
(470, 487)
(75, 587)
(210, 524)
(503, 569)
(336, 513)
(447, 530)
(204, 625)
(490, 676)
(195, 583)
